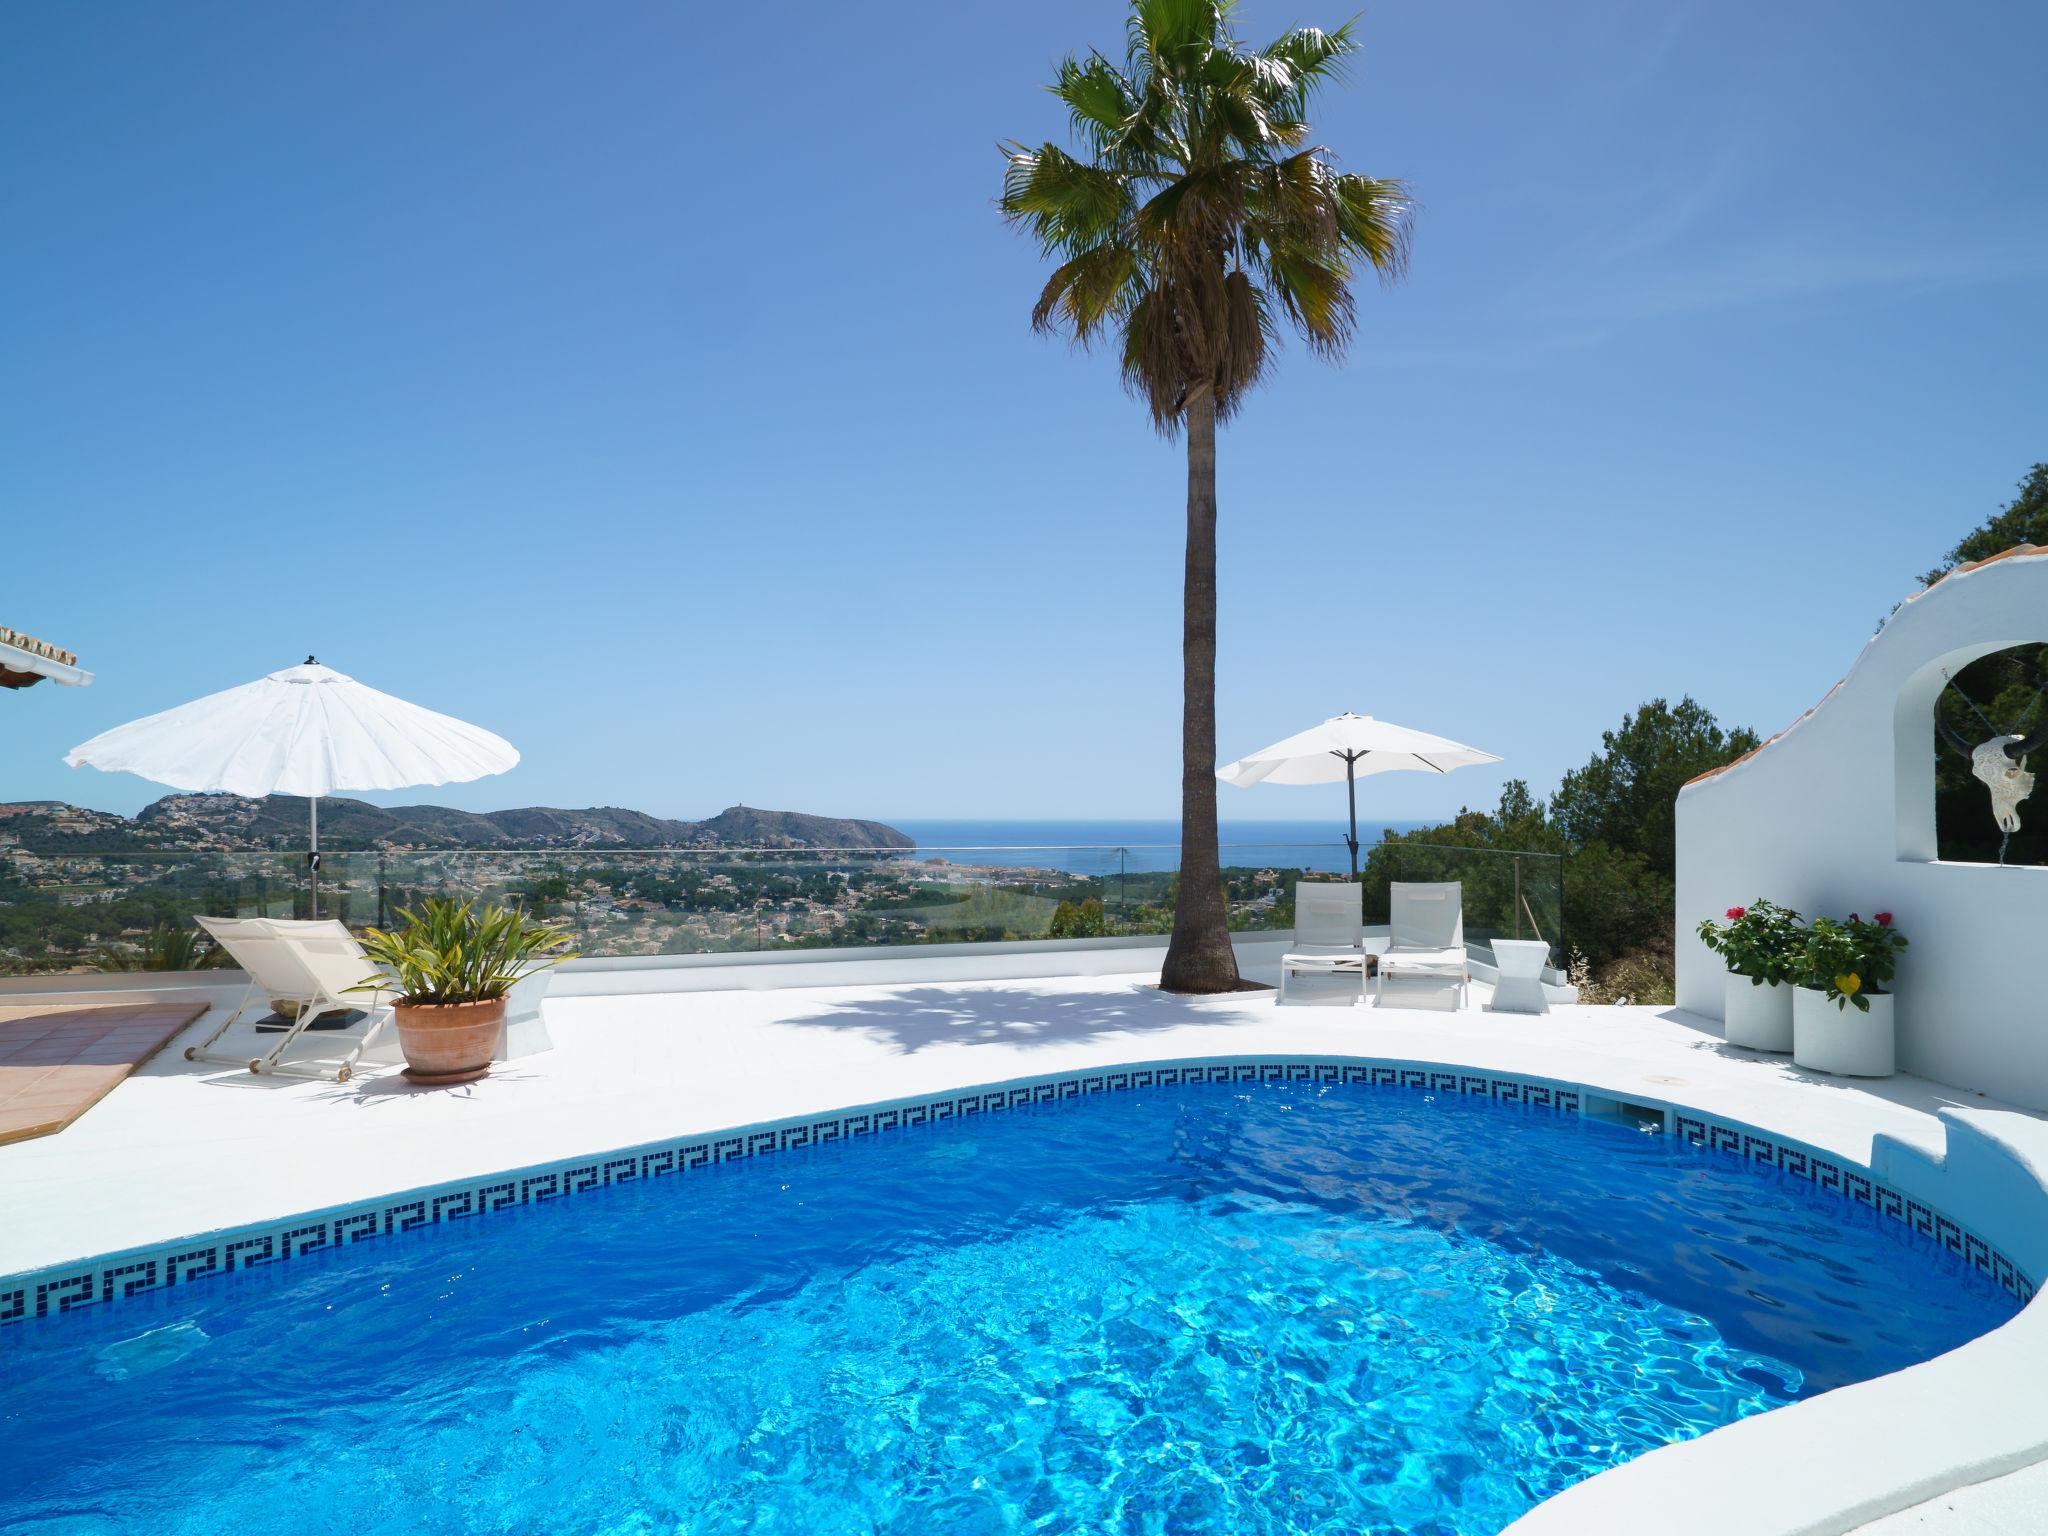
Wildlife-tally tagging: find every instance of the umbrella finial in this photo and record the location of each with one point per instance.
(311, 662)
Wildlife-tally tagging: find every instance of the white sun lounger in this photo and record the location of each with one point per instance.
(1329, 934)
(315, 964)
(1426, 934)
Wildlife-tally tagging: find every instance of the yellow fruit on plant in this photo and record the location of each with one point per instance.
(1849, 985)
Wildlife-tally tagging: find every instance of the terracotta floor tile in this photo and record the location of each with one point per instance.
(57, 1063)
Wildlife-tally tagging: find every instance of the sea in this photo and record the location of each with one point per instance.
(1098, 847)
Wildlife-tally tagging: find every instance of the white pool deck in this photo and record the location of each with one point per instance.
(179, 1150)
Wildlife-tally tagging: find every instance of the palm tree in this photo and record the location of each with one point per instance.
(1197, 221)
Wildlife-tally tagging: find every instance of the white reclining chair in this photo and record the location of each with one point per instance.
(1426, 934)
(315, 964)
(1329, 934)
(526, 1030)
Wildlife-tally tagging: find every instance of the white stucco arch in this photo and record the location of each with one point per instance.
(1915, 748)
(1836, 815)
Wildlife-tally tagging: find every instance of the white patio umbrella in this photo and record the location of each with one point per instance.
(1345, 747)
(307, 730)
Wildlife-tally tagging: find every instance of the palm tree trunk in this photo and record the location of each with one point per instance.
(1199, 957)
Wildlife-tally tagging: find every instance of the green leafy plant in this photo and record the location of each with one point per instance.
(455, 952)
(1762, 941)
(1851, 960)
(1078, 920)
(166, 947)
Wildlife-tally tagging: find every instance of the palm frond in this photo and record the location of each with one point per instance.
(1067, 203)
(1313, 293)
(1156, 364)
(1376, 219)
(1242, 119)
(1099, 100)
(1196, 212)
(1088, 292)
(1295, 199)
(1312, 58)
(1246, 330)
(1172, 37)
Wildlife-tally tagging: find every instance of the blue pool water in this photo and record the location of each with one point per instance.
(1234, 1309)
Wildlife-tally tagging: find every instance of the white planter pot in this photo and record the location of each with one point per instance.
(1845, 1041)
(1758, 1017)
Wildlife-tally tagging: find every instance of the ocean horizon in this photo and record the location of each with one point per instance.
(1101, 846)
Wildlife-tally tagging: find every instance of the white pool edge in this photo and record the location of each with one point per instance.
(1815, 1468)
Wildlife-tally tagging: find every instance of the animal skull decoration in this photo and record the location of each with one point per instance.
(2006, 777)
(2000, 764)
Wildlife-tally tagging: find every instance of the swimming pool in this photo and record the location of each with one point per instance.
(1250, 1307)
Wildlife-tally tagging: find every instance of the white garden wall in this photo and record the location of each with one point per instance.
(1836, 815)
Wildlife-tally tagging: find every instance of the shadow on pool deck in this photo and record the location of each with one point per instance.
(915, 1017)
(1903, 1089)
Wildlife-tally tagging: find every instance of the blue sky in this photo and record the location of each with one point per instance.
(652, 385)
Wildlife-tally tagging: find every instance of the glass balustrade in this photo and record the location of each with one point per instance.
(131, 911)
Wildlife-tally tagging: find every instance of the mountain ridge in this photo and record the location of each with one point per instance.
(233, 823)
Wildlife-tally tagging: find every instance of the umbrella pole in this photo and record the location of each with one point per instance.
(313, 858)
(1351, 794)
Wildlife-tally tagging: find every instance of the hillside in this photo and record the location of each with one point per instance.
(230, 822)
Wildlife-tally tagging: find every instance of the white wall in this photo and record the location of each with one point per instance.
(1836, 815)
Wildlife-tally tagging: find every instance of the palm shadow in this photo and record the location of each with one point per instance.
(917, 1017)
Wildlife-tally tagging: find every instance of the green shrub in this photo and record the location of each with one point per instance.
(1762, 941)
(1851, 960)
(454, 952)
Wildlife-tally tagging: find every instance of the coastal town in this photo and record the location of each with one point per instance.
(85, 890)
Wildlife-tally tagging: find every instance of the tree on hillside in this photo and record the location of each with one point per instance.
(1196, 220)
(1613, 823)
(1996, 695)
(2023, 520)
(1627, 794)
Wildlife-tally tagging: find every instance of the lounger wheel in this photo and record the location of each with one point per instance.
(344, 1074)
(255, 1064)
(191, 1053)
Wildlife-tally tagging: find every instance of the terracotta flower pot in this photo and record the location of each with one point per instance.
(450, 1042)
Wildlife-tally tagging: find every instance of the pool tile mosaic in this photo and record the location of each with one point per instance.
(115, 1277)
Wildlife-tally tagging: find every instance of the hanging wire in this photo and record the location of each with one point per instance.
(1949, 678)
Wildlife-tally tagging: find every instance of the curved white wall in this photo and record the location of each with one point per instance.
(1836, 815)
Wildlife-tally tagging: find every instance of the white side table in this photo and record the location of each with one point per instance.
(1519, 985)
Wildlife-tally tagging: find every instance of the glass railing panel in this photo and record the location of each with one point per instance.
(1258, 883)
(1506, 894)
(720, 901)
(109, 911)
(87, 912)
(1002, 895)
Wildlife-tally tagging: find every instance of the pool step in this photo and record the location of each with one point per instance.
(1976, 1181)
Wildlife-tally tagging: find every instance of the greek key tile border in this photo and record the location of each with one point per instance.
(1854, 1183)
(117, 1277)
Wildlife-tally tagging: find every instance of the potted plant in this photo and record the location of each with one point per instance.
(1761, 944)
(454, 963)
(1842, 1008)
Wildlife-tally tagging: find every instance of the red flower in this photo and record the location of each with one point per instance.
(1884, 919)
(1735, 914)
